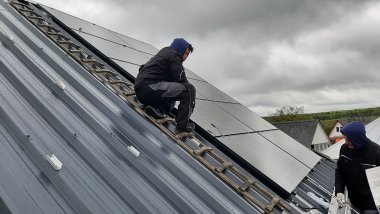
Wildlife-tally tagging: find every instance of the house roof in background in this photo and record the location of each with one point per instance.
(301, 131)
(365, 120)
(373, 130)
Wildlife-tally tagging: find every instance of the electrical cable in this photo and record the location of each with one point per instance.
(217, 129)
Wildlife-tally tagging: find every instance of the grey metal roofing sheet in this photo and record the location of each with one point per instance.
(51, 105)
(320, 182)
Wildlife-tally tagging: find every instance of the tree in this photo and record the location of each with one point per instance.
(289, 113)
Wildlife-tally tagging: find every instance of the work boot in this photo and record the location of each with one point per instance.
(188, 128)
(154, 112)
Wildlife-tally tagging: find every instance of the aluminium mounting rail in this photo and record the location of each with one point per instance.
(124, 90)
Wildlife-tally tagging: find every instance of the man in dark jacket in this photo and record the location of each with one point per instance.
(162, 81)
(356, 155)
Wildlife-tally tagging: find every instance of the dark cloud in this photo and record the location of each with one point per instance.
(322, 55)
(270, 18)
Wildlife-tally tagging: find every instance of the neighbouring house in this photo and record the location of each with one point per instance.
(335, 134)
(373, 133)
(310, 133)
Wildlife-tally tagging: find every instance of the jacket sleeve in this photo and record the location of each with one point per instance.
(377, 155)
(177, 70)
(339, 179)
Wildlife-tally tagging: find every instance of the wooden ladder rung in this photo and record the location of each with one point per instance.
(27, 9)
(274, 202)
(166, 119)
(225, 165)
(39, 18)
(128, 94)
(202, 150)
(247, 183)
(75, 50)
(119, 82)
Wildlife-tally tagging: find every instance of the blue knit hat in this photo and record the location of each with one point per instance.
(179, 45)
(356, 134)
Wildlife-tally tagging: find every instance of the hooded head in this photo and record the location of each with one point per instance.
(180, 45)
(355, 133)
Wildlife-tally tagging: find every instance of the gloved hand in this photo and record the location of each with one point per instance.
(340, 198)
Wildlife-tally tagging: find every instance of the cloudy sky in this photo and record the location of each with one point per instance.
(322, 55)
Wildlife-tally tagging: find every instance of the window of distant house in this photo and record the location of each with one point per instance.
(337, 129)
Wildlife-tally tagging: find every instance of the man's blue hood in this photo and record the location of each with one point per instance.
(180, 45)
(356, 134)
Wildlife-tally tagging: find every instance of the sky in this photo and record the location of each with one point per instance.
(320, 55)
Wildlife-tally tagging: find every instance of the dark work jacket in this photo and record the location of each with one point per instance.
(166, 66)
(350, 172)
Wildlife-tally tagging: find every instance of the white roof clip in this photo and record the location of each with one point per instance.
(61, 85)
(133, 150)
(53, 160)
(9, 36)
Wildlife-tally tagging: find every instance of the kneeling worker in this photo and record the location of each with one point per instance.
(162, 81)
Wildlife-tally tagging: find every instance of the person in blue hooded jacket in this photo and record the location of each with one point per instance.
(162, 81)
(356, 155)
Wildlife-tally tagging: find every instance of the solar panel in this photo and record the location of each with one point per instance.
(269, 159)
(292, 147)
(84, 26)
(215, 120)
(212, 93)
(132, 69)
(114, 50)
(200, 96)
(141, 46)
(191, 75)
(88, 28)
(246, 116)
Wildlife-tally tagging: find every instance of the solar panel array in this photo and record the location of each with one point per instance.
(51, 105)
(238, 128)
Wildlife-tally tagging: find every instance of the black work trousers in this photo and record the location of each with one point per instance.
(162, 95)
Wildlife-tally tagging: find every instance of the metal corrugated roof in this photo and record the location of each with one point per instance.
(51, 105)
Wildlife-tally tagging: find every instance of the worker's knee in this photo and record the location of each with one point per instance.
(190, 88)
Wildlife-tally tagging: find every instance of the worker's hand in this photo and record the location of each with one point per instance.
(340, 199)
